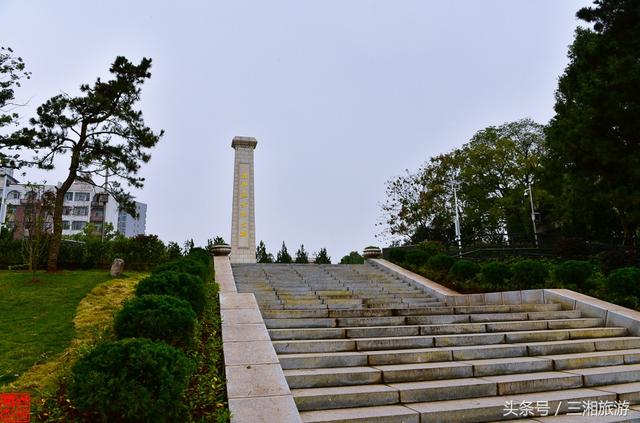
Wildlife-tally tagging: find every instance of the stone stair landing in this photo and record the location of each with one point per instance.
(361, 345)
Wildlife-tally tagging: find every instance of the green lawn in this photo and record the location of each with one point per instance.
(36, 318)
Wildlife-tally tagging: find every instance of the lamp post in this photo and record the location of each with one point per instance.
(456, 221)
(533, 215)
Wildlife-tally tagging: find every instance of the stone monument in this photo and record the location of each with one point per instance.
(243, 226)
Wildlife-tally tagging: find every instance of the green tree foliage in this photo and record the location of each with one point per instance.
(353, 258)
(283, 255)
(322, 257)
(262, 256)
(301, 255)
(490, 173)
(594, 136)
(102, 133)
(12, 70)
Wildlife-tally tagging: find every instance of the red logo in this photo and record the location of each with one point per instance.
(15, 407)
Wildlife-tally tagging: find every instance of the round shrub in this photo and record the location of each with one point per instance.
(625, 281)
(574, 274)
(178, 284)
(431, 247)
(529, 274)
(397, 255)
(157, 317)
(200, 254)
(131, 380)
(440, 262)
(464, 270)
(416, 257)
(185, 265)
(495, 274)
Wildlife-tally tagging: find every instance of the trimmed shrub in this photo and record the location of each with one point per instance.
(440, 262)
(529, 274)
(572, 248)
(132, 380)
(616, 259)
(574, 274)
(397, 255)
(431, 247)
(625, 281)
(140, 252)
(416, 257)
(185, 265)
(179, 284)
(159, 318)
(495, 274)
(200, 254)
(72, 255)
(464, 270)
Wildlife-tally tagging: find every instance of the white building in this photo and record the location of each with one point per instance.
(83, 204)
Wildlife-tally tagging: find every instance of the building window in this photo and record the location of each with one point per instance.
(78, 225)
(13, 195)
(68, 196)
(80, 211)
(66, 225)
(66, 210)
(82, 196)
(98, 213)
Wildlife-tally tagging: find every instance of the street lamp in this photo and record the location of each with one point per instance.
(533, 214)
(456, 221)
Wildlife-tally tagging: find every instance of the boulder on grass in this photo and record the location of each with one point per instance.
(117, 268)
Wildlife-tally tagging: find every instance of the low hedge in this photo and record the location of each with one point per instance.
(159, 318)
(529, 274)
(131, 380)
(575, 274)
(179, 284)
(185, 265)
(464, 270)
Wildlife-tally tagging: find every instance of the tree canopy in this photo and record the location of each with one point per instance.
(101, 132)
(283, 255)
(594, 136)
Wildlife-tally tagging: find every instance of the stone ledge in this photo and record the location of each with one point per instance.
(256, 387)
(437, 290)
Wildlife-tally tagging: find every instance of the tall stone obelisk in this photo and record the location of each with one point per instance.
(243, 226)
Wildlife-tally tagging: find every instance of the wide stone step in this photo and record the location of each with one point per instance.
(434, 390)
(595, 359)
(460, 353)
(338, 376)
(388, 319)
(399, 342)
(609, 375)
(383, 414)
(493, 408)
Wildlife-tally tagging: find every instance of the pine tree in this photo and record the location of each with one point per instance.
(322, 257)
(283, 255)
(101, 133)
(301, 255)
(261, 254)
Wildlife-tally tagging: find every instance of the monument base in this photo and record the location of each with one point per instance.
(241, 256)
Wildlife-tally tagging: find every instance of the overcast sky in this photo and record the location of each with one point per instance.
(341, 95)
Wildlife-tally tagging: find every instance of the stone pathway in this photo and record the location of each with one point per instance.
(358, 344)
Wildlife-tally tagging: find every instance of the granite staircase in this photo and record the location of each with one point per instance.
(360, 345)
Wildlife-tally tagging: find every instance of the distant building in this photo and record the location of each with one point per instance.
(83, 204)
(130, 226)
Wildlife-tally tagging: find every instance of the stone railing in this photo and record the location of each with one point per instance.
(611, 314)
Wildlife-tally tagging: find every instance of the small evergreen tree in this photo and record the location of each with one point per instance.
(283, 255)
(301, 255)
(353, 258)
(322, 257)
(261, 254)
